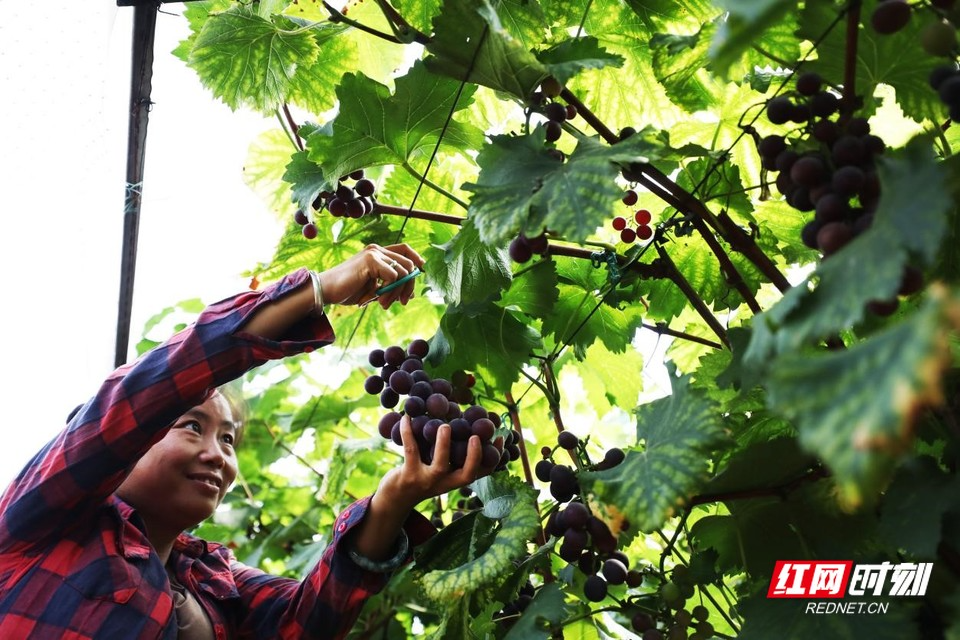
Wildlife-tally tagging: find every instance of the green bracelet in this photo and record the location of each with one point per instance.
(403, 548)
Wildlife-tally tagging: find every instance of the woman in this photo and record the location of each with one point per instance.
(92, 541)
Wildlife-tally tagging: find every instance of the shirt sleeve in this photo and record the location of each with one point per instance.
(73, 474)
(327, 602)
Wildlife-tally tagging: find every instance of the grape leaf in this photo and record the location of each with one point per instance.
(496, 560)
(618, 382)
(265, 167)
(678, 61)
(642, 101)
(490, 340)
(570, 57)
(534, 292)
(246, 60)
(679, 432)
(745, 23)
(522, 188)
(855, 408)
(306, 179)
(418, 13)
(470, 42)
(910, 219)
(312, 86)
(374, 128)
(466, 269)
(763, 465)
(657, 14)
(547, 605)
(580, 319)
(913, 507)
(197, 14)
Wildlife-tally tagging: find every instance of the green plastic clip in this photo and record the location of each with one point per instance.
(598, 258)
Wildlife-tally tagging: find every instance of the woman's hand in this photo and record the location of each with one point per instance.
(356, 279)
(403, 487)
(415, 481)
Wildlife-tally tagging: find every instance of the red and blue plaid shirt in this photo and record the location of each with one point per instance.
(74, 561)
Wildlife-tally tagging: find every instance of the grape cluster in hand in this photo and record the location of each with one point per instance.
(642, 217)
(430, 403)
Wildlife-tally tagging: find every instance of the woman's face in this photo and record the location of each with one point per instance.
(183, 477)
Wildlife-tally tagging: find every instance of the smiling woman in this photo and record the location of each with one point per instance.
(92, 531)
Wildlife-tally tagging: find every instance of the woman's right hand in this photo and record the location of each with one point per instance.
(355, 280)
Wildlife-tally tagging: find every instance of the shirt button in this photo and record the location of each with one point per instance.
(345, 514)
(342, 527)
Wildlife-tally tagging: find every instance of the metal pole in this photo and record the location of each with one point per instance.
(144, 31)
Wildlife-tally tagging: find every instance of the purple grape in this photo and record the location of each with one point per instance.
(373, 385)
(365, 187)
(395, 435)
(595, 588)
(414, 406)
(542, 470)
(387, 422)
(568, 440)
(490, 456)
(494, 418)
(376, 358)
(389, 398)
(483, 429)
(474, 413)
(401, 382)
(387, 371)
(442, 387)
(430, 429)
(421, 376)
(419, 348)
(614, 571)
(460, 429)
(437, 404)
(394, 355)
(453, 412)
(422, 390)
(411, 364)
(520, 250)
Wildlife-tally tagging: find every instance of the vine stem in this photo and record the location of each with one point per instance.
(665, 330)
(337, 16)
(293, 126)
(780, 490)
(514, 412)
(419, 214)
(849, 98)
(423, 179)
(694, 298)
(687, 203)
(401, 27)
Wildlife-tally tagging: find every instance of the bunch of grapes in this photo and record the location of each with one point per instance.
(345, 201)
(348, 201)
(831, 172)
(507, 616)
(557, 113)
(522, 248)
(585, 540)
(430, 403)
(642, 217)
(945, 80)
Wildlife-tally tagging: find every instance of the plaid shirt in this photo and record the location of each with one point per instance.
(74, 562)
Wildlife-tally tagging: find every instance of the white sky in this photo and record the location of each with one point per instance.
(65, 76)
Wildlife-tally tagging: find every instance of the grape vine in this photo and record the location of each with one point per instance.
(762, 198)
